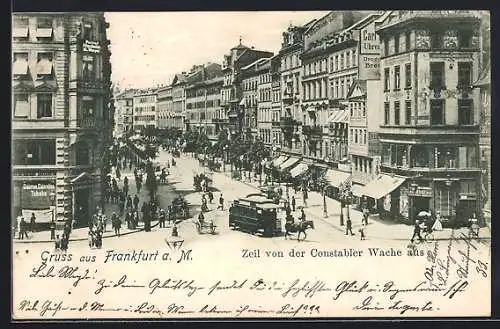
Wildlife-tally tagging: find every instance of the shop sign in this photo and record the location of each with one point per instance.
(420, 192)
(91, 46)
(369, 53)
(37, 195)
(467, 196)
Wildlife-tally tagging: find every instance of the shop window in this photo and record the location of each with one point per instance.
(44, 105)
(34, 152)
(465, 112)
(437, 112)
(420, 156)
(447, 157)
(21, 105)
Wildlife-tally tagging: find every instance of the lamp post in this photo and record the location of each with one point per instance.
(325, 210)
(52, 197)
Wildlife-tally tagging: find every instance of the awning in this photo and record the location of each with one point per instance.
(288, 163)
(382, 185)
(242, 102)
(299, 170)
(20, 32)
(44, 32)
(357, 190)
(311, 109)
(279, 160)
(20, 66)
(335, 177)
(340, 116)
(80, 178)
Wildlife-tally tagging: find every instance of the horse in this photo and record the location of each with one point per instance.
(298, 228)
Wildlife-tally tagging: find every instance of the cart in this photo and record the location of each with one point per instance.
(205, 227)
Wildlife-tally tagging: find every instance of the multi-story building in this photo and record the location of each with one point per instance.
(291, 88)
(275, 105)
(429, 132)
(363, 99)
(179, 119)
(231, 95)
(165, 107)
(203, 92)
(264, 102)
(145, 109)
(484, 84)
(124, 112)
(249, 82)
(61, 120)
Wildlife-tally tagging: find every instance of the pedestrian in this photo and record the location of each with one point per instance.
(128, 220)
(22, 229)
(135, 219)
(365, 216)
(136, 202)
(130, 203)
(304, 195)
(348, 227)
(64, 242)
(117, 225)
(362, 231)
(57, 243)
(293, 203)
(302, 215)
(221, 203)
(118, 173)
(437, 226)
(416, 231)
(52, 230)
(162, 218)
(32, 222)
(210, 197)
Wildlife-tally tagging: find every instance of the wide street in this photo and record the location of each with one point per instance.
(180, 181)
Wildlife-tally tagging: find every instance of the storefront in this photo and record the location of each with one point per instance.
(335, 178)
(35, 197)
(83, 201)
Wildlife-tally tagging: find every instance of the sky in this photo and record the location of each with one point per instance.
(149, 48)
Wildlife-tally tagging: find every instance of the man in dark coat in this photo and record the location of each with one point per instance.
(416, 231)
(348, 227)
(136, 202)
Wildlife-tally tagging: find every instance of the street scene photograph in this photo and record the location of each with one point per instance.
(356, 137)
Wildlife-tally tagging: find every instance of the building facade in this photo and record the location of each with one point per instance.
(179, 119)
(124, 112)
(165, 107)
(61, 120)
(264, 102)
(145, 109)
(429, 132)
(249, 82)
(276, 105)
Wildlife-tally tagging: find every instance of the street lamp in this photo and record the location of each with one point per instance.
(325, 211)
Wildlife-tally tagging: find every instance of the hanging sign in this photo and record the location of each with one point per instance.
(91, 46)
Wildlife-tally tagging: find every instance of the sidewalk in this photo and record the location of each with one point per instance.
(81, 234)
(377, 228)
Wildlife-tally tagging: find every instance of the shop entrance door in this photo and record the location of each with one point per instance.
(82, 210)
(419, 204)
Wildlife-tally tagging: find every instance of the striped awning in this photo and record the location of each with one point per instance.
(279, 160)
(340, 116)
(299, 169)
(336, 177)
(288, 163)
(311, 109)
(382, 185)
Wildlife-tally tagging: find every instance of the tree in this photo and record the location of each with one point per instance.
(151, 183)
(345, 195)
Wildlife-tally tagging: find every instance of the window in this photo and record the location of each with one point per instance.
(352, 134)
(351, 106)
(437, 75)
(397, 77)
(364, 109)
(408, 76)
(364, 136)
(20, 65)
(341, 61)
(356, 136)
(354, 61)
(88, 67)
(465, 38)
(436, 39)
(348, 59)
(386, 79)
(386, 47)
(464, 74)
(387, 113)
(397, 114)
(408, 41)
(34, 152)
(44, 28)
(20, 28)
(21, 105)
(437, 111)
(44, 65)
(44, 105)
(465, 112)
(337, 65)
(87, 31)
(407, 112)
(396, 44)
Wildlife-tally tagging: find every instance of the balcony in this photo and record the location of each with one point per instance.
(90, 122)
(313, 130)
(288, 98)
(96, 85)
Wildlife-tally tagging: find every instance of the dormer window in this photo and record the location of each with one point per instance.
(44, 65)
(20, 65)
(44, 29)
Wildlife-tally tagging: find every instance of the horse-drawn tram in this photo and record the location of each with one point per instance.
(255, 214)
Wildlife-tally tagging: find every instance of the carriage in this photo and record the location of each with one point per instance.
(205, 226)
(180, 208)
